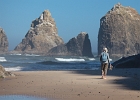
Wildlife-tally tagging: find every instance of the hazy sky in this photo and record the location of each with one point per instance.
(71, 17)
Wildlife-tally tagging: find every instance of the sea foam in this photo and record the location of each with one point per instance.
(92, 59)
(16, 54)
(69, 59)
(18, 68)
(31, 55)
(2, 59)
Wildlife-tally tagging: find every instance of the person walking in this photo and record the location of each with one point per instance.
(104, 59)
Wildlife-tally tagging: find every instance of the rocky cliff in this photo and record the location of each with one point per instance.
(120, 31)
(41, 37)
(3, 41)
(77, 46)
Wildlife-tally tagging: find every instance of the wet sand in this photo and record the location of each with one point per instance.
(121, 84)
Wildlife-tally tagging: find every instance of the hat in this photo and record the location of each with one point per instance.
(105, 49)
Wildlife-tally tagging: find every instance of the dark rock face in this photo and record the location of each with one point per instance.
(77, 46)
(128, 62)
(3, 41)
(41, 37)
(120, 31)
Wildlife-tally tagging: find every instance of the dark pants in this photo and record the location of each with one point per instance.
(104, 67)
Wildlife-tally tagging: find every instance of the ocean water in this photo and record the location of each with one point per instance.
(27, 62)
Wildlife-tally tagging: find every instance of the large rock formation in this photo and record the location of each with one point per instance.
(3, 41)
(128, 62)
(41, 37)
(77, 46)
(120, 31)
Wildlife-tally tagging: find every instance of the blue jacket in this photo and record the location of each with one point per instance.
(107, 58)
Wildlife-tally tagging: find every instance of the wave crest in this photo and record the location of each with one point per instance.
(69, 59)
(2, 59)
(18, 68)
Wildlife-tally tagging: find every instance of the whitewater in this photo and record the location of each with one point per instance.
(31, 62)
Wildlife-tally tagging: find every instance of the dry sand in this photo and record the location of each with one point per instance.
(121, 84)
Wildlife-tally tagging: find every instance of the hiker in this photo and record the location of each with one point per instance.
(104, 59)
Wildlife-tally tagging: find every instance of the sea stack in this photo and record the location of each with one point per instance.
(41, 37)
(3, 42)
(77, 46)
(120, 31)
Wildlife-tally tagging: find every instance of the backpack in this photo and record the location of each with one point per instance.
(104, 57)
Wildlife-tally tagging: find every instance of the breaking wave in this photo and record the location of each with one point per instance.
(18, 68)
(70, 59)
(2, 59)
(31, 55)
(16, 54)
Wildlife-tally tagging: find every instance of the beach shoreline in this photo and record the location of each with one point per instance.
(120, 84)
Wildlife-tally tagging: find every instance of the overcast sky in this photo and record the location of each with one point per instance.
(71, 17)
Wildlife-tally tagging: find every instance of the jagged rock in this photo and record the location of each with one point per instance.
(77, 46)
(41, 37)
(128, 62)
(120, 31)
(3, 41)
(4, 73)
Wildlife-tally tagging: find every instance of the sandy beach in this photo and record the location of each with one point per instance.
(121, 84)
